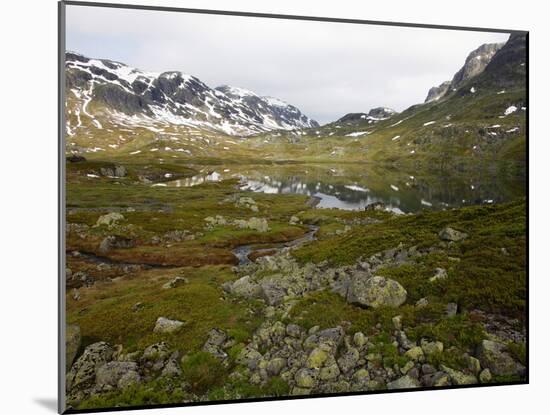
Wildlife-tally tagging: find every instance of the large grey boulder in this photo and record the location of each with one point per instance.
(83, 372)
(111, 373)
(245, 287)
(272, 292)
(493, 356)
(375, 291)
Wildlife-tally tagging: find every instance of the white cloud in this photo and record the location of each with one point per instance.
(325, 69)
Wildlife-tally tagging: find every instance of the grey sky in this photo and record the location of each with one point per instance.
(325, 69)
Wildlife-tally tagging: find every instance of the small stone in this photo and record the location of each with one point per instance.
(361, 376)
(110, 219)
(430, 348)
(408, 366)
(359, 339)
(306, 378)
(397, 322)
(415, 353)
(485, 376)
(423, 302)
(176, 282)
(441, 379)
(405, 382)
(440, 274)
(348, 360)
(317, 357)
(275, 366)
(452, 309)
(493, 356)
(293, 330)
(329, 372)
(459, 378)
(473, 364)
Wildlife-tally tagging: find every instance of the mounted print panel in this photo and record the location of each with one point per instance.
(263, 207)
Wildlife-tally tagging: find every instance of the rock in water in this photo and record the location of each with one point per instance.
(452, 235)
(375, 291)
(165, 325)
(72, 344)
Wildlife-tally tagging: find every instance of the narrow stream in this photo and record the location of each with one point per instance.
(242, 252)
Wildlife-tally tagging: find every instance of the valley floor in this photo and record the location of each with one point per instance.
(161, 310)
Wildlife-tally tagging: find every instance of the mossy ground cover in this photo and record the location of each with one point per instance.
(485, 271)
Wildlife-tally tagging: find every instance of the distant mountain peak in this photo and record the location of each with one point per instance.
(173, 97)
(374, 115)
(476, 61)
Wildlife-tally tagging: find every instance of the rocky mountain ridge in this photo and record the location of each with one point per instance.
(474, 64)
(127, 94)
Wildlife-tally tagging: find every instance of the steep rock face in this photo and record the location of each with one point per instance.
(475, 63)
(437, 92)
(172, 97)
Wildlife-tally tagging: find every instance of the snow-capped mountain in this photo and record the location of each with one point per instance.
(126, 96)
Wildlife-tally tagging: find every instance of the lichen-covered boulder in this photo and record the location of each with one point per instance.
(493, 356)
(111, 373)
(245, 287)
(82, 374)
(375, 291)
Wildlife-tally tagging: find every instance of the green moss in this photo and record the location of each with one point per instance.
(203, 371)
(151, 393)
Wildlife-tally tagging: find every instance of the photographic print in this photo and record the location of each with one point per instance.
(268, 207)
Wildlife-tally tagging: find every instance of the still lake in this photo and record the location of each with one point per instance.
(354, 186)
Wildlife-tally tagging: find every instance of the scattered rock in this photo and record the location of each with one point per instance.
(493, 356)
(440, 274)
(245, 287)
(113, 372)
(114, 171)
(375, 291)
(450, 234)
(272, 292)
(485, 376)
(423, 302)
(306, 378)
(176, 282)
(405, 382)
(83, 372)
(214, 343)
(110, 219)
(459, 378)
(452, 309)
(115, 242)
(165, 325)
(430, 348)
